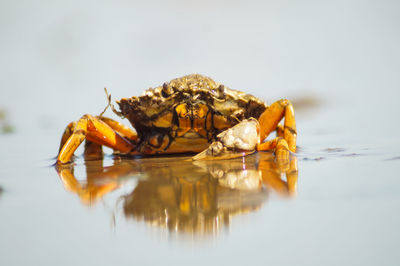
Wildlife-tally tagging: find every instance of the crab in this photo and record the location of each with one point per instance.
(191, 114)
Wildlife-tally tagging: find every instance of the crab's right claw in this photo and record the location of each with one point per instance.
(217, 151)
(234, 142)
(98, 131)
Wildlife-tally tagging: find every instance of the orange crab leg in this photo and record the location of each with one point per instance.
(92, 150)
(95, 151)
(73, 136)
(269, 121)
(94, 130)
(123, 130)
(278, 144)
(280, 129)
(67, 133)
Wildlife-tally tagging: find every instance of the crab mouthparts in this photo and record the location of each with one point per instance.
(192, 134)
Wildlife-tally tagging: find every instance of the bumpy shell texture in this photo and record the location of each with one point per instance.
(192, 91)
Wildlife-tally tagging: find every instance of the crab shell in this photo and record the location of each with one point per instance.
(186, 114)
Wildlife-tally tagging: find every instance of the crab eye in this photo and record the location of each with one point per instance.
(220, 92)
(166, 91)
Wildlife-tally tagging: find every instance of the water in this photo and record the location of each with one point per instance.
(337, 61)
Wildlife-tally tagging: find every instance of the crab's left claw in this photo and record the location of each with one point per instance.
(234, 142)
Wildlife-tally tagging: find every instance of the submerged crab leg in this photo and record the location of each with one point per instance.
(94, 130)
(269, 121)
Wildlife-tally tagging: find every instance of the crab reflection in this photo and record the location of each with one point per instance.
(186, 196)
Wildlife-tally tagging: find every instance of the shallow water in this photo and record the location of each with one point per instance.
(189, 199)
(338, 62)
(341, 207)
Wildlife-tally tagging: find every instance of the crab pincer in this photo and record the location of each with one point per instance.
(237, 141)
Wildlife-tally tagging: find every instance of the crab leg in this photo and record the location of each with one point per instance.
(278, 144)
(67, 133)
(95, 151)
(92, 129)
(269, 121)
(92, 150)
(120, 128)
(280, 129)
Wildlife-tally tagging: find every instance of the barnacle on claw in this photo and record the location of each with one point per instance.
(236, 141)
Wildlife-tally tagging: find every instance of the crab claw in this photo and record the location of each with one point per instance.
(234, 142)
